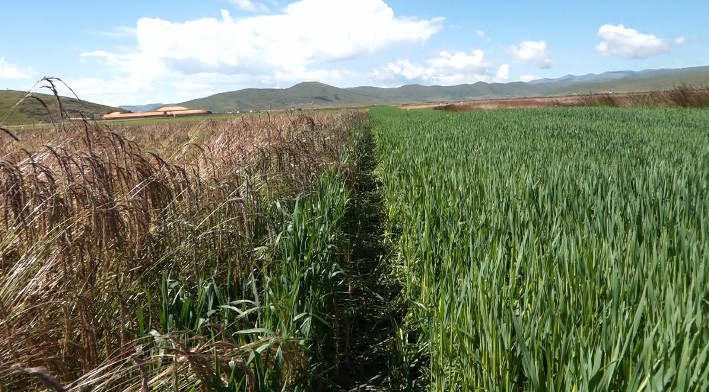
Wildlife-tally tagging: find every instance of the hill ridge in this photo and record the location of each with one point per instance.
(17, 108)
(314, 94)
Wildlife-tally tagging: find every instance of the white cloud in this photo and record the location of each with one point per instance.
(482, 35)
(445, 69)
(405, 69)
(458, 61)
(307, 32)
(306, 40)
(528, 78)
(629, 43)
(534, 52)
(503, 73)
(10, 71)
(114, 91)
(250, 6)
(680, 40)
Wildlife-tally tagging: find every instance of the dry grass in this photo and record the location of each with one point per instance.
(681, 96)
(94, 218)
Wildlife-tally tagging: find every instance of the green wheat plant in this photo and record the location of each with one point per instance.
(556, 249)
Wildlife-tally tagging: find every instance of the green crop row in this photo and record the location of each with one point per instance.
(550, 249)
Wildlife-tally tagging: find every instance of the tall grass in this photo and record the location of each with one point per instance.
(550, 249)
(183, 256)
(683, 96)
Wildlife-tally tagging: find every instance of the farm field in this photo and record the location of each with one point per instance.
(549, 249)
(679, 96)
(523, 249)
(354, 196)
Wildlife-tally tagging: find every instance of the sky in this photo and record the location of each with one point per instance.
(139, 52)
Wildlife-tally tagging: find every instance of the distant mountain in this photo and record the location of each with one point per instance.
(16, 109)
(319, 95)
(634, 81)
(142, 108)
(418, 93)
(569, 79)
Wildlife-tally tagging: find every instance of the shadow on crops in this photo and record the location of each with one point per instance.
(371, 291)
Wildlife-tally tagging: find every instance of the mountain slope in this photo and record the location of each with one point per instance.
(302, 95)
(142, 108)
(418, 93)
(319, 95)
(15, 108)
(629, 81)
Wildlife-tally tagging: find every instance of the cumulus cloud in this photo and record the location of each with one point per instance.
(534, 52)
(446, 68)
(680, 40)
(250, 6)
(307, 32)
(458, 61)
(305, 40)
(629, 43)
(10, 71)
(503, 73)
(404, 69)
(113, 91)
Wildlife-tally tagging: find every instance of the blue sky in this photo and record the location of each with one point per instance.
(170, 51)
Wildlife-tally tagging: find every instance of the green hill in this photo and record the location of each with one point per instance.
(319, 95)
(302, 95)
(627, 81)
(413, 93)
(16, 108)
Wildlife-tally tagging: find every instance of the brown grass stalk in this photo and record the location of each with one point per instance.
(92, 216)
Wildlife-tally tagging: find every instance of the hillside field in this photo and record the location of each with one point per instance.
(538, 249)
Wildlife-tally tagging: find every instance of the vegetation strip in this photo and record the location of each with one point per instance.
(372, 289)
(178, 256)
